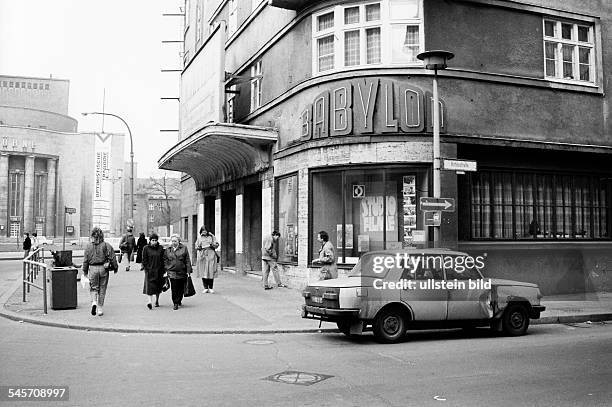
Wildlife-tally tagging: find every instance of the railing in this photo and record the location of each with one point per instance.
(32, 265)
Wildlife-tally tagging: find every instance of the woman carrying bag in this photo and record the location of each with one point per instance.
(153, 264)
(177, 264)
(206, 263)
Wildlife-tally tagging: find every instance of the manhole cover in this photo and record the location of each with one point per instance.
(299, 378)
(259, 342)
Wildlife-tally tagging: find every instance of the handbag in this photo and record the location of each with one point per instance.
(166, 285)
(189, 288)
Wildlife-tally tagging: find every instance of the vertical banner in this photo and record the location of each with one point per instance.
(102, 196)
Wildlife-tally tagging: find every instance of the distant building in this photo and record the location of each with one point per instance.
(47, 165)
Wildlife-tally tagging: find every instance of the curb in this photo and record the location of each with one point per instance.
(20, 318)
(567, 319)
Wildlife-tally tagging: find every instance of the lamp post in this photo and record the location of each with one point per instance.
(131, 157)
(436, 60)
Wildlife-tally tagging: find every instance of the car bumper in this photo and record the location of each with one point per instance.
(328, 314)
(535, 311)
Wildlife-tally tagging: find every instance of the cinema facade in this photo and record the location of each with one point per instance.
(317, 115)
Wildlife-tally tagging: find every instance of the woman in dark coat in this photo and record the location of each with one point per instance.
(142, 242)
(178, 266)
(153, 263)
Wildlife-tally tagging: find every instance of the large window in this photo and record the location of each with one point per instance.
(16, 193)
(365, 210)
(385, 32)
(569, 51)
(287, 218)
(232, 24)
(524, 205)
(40, 195)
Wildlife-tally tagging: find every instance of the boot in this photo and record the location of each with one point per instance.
(100, 311)
(94, 302)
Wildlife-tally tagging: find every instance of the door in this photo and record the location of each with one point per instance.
(471, 302)
(427, 300)
(228, 228)
(252, 227)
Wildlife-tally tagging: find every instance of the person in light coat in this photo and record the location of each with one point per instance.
(206, 262)
(327, 257)
(98, 260)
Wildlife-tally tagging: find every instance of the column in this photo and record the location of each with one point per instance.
(51, 197)
(28, 196)
(4, 189)
(200, 210)
(303, 238)
(218, 221)
(238, 229)
(266, 210)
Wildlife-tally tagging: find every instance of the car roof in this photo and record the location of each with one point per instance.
(440, 250)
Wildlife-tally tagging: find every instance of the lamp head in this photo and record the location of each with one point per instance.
(436, 59)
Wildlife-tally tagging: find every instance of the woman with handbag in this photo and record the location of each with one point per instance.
(206, 263)
(327, 257)
(177, 264)
(140, 244)
(153, 264)
(98, 260)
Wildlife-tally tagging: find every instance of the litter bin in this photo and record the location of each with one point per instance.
(64, 287)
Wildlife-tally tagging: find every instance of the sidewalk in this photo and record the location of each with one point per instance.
(239, 305)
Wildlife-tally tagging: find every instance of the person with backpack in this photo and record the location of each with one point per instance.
(127, 245)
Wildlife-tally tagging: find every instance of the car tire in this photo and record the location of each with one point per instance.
(389, 326)
(515, 320)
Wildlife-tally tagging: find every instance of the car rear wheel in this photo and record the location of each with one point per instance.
(389, 326)
(515, 320)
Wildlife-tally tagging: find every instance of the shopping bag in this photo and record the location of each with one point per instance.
(189, 288)
(166, 285)
(84, 281)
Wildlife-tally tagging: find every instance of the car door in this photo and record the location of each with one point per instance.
(427, 302)
(466, 303)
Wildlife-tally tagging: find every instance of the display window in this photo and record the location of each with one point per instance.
(286, 218)
(367, 209)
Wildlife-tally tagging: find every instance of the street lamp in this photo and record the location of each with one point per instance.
(131, 158)
(436, 60)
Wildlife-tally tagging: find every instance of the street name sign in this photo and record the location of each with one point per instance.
(432, 218)
(458, 165)
(437, 204)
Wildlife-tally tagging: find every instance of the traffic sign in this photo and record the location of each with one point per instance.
(440, 204)
(70, 210)
(458, 165)
(432, 218)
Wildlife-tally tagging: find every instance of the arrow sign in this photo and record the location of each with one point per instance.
(437, 204)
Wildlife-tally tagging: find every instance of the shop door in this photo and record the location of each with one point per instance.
(209, 214)
(228, 228)
(252, 227)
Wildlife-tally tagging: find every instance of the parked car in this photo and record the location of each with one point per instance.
(390, 297)
(43, 240)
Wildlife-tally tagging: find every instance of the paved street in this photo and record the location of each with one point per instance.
(555, 365)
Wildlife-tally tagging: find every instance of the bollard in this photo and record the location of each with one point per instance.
(24, 282)
(44, 273)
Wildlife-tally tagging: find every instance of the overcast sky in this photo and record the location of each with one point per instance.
(111, 44)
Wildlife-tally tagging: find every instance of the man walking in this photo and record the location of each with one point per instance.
(27, 245)
(269, 256)
(127, 245)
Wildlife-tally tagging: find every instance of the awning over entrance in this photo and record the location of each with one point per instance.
(292, 4)
(221, 152)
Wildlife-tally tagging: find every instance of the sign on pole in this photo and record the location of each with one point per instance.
(458, 165)
(70, 210)
(432, 218)
(437, 204)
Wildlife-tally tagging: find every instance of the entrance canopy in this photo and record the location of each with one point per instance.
(291, 4)
(221, 152)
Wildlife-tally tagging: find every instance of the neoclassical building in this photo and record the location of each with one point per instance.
(304, 116)
(46, 165)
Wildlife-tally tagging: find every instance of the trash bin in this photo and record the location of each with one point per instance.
(64, 287)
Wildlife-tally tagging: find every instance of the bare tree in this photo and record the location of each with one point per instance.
(166, 189)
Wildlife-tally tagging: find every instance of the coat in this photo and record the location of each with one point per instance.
(206, 263)
(127, 243)
(142, 242)
(269, 249)
(98, 253)
(27, 243)
(153, 263)
(177, 262)
(327, 255)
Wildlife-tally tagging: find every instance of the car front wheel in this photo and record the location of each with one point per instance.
(515, 320)
(389, 326)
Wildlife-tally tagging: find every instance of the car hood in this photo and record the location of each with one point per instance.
(500, 281)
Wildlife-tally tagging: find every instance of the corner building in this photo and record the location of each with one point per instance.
(304, 116)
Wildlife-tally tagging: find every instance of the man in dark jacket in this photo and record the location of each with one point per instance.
(127, 245)
(98, 260)
(27, 244)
